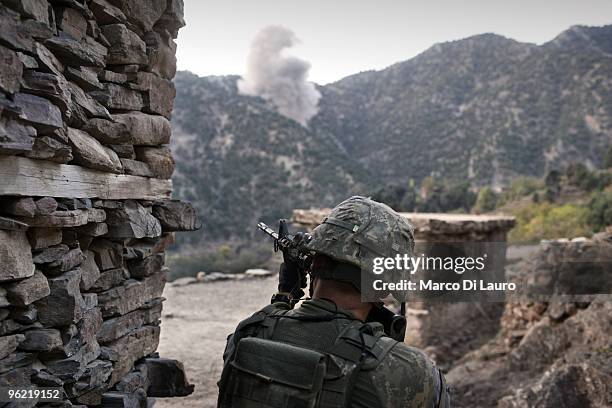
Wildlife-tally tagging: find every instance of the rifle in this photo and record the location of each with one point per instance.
(294, 250)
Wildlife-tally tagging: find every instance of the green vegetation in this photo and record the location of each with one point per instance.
(486, 200)
(608, 159)
(223, 258)
(536, 221)
(435, 195)
(599, 210)
(520, 187)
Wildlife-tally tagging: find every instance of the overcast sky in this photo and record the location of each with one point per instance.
(342, 37)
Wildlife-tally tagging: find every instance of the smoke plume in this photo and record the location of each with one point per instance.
(279, 78)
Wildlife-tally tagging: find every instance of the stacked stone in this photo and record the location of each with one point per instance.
(85, 210)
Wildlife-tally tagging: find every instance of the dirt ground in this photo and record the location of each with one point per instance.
(195, 324)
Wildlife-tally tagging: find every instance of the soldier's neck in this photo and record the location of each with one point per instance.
(344, 296)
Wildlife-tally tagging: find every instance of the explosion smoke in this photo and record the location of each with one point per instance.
(279, 78)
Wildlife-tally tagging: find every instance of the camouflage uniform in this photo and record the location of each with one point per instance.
(387, 374)
(402, 378)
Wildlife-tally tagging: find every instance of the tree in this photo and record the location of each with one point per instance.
(608, 159)
(599, 210)
(486, 200)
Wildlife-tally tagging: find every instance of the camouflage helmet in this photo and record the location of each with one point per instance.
(360, 229)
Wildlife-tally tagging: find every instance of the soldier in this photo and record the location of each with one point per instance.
(325, 353)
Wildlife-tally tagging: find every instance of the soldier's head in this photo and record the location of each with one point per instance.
(356, 231)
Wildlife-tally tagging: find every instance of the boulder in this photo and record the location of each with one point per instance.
(143, 13)
(44, 237)
(16, 256)
(159, 159)
(132, 221)
(39, 112)
(175, 215)
(41, 340)
(47, 60)
(108, 131)
(146, 130)
(71, 21)
(166, 378)
(11, 72)
(73, 52)
(90, 153)
(106, 13)
(28, 290)
(115, 328)
(89, 271)
(126, 46)
(15, 136)
(47, 148)
(130, 296)
(118, 97)
(136, 168)
(162, 55)
(65, 304)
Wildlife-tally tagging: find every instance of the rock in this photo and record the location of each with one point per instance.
(39, 112)
(115, 328)
(25, 315)
(158, 94)
(88, 105)
(166, 378)
(44, 379)
(124, 151)
(16, 360)
(86, 52)
(258, 272)
(64, 305)
(118, 97)
(140, 268)
(9, 224)
(18, 377)
(71, 21)
(28, 290)
(47, 60)
(146, 130)
(131, 295)
(16, 256)
(44, 237)
(41, 340)
(47, 148)
(126, 46)
(85, 77)
(50, 86)
(114, 399)
(162, 55)
(8, 344)
(68, 219)
(13, 32)
(175, 215)
(108, 131)
(109, 279)
(68, 261)
(184, 281)
(38, 30)
(139, 343)
(27, 61)
(159, 159)
(172, 19)
(106, 13)
(18, 206)
(90, 153)
(50, 254)
(45, 205)
(35, 9)
(132, 221)
(11, 72)
(143, 13)
(108, 254)
(114, 77)
(136, 168)
(89, 271)
(15, 136)
(93, 229)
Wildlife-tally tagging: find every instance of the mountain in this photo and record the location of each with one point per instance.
(483, 109)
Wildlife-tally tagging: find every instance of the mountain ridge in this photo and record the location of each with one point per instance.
(483, 109)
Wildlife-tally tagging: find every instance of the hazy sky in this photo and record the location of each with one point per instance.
(342, 37)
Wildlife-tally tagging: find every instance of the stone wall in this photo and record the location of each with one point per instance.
(85, 209)
(447, 330)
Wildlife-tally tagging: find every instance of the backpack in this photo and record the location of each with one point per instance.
(265, 373)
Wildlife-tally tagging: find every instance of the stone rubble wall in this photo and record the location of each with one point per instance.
(86, 96)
